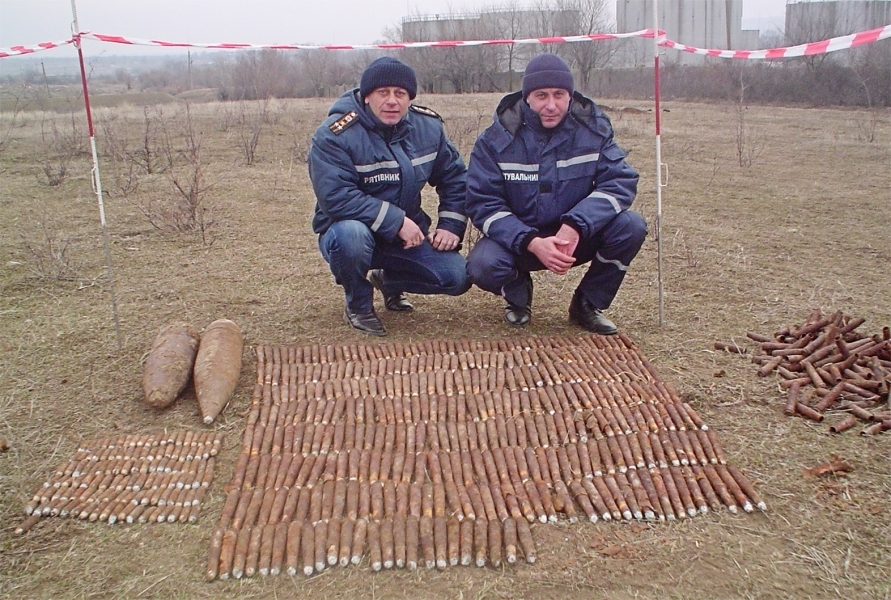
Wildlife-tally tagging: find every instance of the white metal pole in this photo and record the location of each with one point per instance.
(94, 174)
(656, 40)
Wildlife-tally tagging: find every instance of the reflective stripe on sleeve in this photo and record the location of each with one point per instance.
(611, 199)
(387, 164)
(492, 219)
(577, 160)
(385, 206)
(447, 214)
(423, 159)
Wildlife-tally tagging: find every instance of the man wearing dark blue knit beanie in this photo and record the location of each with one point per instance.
(550, 189)
(368, 163)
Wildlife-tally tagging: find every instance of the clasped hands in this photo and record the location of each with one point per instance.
(411, 236)
(556, 251)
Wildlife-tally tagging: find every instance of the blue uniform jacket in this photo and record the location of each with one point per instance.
(366, 171)
(523, 178)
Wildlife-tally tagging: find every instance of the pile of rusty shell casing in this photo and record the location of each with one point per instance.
(841, 369)
(148, 477)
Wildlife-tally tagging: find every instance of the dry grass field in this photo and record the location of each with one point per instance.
(757, 232)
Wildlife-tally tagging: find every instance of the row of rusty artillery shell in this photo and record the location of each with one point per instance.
(401, 542)
(666, 493)
(205, 443)
(321, 354)
(548, 463)
(848, 371)
(165, 502)
(522, 430)
(341, 379)
(551, 361)
(326, 405)
(463, 371)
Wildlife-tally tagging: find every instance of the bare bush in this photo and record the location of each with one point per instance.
(185, 207)
(48, 252)
(251, 118)
(59, 145)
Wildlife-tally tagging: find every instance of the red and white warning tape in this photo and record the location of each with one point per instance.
(830, 45)
(391, 46)
(19, 50)
(823, 47)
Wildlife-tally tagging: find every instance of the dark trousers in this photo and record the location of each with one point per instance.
(496, 269)
(351, 250)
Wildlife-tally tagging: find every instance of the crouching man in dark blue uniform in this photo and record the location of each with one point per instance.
(550, 189)
(368, 162)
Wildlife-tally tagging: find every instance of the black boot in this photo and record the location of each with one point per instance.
(519, 315)
(589, 316)
(395, 302)
(365, 322)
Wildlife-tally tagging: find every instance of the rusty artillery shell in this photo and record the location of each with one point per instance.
(668, 504)
(466, 542)
(859, 412)
(453, 540)
(332, 541)
(844, 424)
(308, 545)
(876, 428)
(706, 487)
(425, 538)
(213, 555)
(675, 474)
(399, 551)
(480, 541)
(581, 496)
(388, 551)
(227, 553)
(292, 547)
(527, 544)
(529, 493)
(266, 542)
(719, 488)
(412, 541)
(806, 411)
(360, 529)
(241, 551)
(747, 487)
(495, 543)
(733, 486)
(440, 542)
(320, 538)
(716, 446)
(376, 494)
(510, 540)
(279, 544)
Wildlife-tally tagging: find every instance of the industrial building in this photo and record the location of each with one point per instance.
(699, 23)
(816, 20)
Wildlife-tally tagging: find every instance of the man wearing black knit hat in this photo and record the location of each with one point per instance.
(550, 189)
(368, 162)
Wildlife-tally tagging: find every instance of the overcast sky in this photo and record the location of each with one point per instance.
(29, 22)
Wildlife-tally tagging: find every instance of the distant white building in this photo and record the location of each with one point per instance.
(699, 23)
(816, 20)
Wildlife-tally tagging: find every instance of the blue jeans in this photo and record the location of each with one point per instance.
(351, 250)
(494, 268)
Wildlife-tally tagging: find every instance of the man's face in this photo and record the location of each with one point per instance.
(389, 104)
(551, 105)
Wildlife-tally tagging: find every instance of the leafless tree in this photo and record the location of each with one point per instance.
(585, 17)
